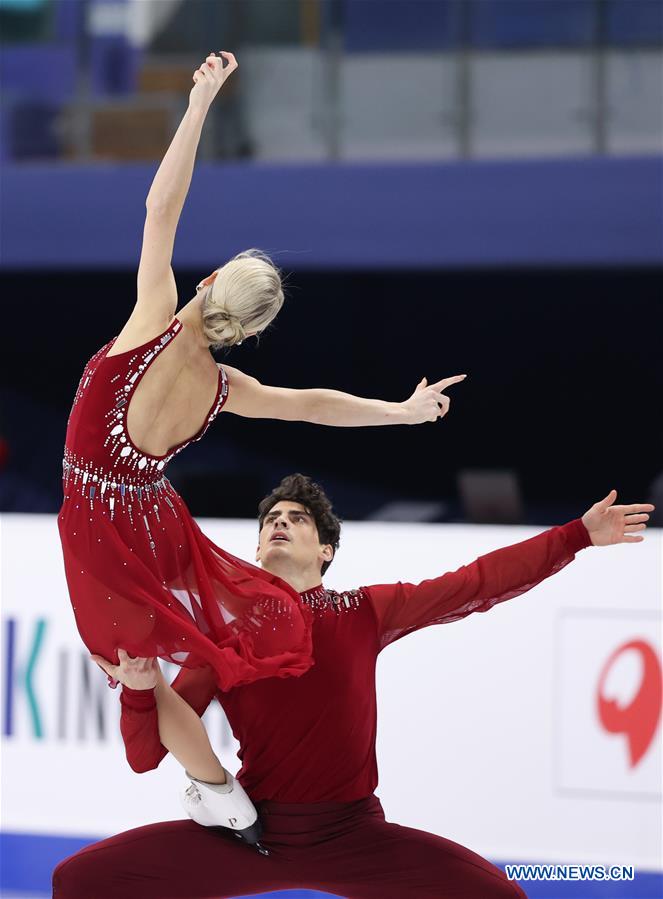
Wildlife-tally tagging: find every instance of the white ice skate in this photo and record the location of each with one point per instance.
(223, 805)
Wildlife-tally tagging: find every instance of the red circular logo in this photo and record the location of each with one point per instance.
(639, 719)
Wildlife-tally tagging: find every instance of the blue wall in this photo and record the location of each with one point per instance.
(591, 211)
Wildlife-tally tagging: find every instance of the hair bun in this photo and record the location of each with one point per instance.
(245, 296)
(230, 331)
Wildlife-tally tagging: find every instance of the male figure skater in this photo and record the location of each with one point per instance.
(308, 742)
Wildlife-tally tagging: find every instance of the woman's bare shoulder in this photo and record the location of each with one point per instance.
(139, 330)
(236, 378)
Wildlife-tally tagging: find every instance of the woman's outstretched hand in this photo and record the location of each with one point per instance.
(209, 78)
(428, 402)
(137, 674)
(607, 523)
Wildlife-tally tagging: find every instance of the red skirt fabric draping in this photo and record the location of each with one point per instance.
(200, 606)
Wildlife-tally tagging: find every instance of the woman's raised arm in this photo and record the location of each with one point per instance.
(157, 293)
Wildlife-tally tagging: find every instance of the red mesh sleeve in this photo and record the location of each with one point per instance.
(493, 578)
(139, 721)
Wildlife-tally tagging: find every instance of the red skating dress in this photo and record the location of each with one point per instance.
(141, 574)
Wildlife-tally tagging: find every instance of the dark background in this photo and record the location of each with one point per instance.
(565, 376)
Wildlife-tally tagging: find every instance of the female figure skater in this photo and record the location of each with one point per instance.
(141, 574)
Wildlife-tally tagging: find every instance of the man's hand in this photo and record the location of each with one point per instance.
(137, 674)
(428, 403)
(209, 78)
(609, 524)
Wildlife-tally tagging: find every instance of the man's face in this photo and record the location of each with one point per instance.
(289, 535)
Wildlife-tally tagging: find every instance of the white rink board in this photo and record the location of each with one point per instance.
(488, 728)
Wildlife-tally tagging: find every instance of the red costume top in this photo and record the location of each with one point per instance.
(141, 574)
(312, 738)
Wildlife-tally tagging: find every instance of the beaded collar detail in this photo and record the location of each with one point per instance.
(322, 600)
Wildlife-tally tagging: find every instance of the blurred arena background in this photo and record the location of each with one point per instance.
(450, 186)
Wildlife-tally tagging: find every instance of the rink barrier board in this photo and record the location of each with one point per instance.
(566, 792)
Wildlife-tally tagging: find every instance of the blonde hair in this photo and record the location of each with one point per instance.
(246, 296)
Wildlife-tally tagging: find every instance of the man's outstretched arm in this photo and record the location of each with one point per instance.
(497, 576)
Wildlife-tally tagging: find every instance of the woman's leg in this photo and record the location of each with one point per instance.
(172, 860)
(183, 734)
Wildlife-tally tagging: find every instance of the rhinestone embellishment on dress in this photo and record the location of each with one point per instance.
(122, 450)
(131, 481)
(321, 600)
(86, 377)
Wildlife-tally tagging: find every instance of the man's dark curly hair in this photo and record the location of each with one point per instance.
(298, 488)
